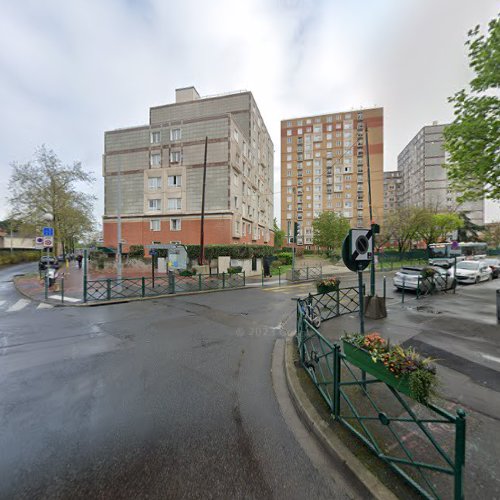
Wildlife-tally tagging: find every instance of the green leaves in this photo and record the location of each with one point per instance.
(330, 229)
(473, 139)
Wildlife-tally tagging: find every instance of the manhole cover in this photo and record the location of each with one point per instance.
(428, 309)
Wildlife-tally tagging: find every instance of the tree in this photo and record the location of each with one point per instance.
(46, 186)
(473, 139)
(330, 229)
(402, 225)
(492, 234)
(434, 226)
(279, 235)
(469, 230)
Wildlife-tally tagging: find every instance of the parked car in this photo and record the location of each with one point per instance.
(47, 260)
(473, 271)
(495, 267)
(418, 276)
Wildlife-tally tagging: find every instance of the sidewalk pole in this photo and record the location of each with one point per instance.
(336, 381)
(403, 292)
(262, 277)
(223, 280)
(143, 286)
(459, 454)
(385, 286)
(418, 287)
(244, 278)
(108, 289)
(46, 286)
(279, 276)
(85, 275)
(62, 290)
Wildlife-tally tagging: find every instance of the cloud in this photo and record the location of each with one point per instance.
(71, 70)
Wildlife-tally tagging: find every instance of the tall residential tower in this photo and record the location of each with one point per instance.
(324, 168)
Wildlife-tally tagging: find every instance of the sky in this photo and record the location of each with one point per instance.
(70, 70)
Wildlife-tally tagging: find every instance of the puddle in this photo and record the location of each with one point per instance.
(427, 309)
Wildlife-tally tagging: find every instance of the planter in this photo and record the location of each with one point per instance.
(326, 289)
(362, 359)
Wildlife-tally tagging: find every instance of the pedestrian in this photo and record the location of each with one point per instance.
(79, 259)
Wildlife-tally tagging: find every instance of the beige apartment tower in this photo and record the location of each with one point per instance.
(324, 168)
(158, 170)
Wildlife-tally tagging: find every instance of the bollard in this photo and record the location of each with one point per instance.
(223, 280)
(244, 279)
(199, 282)
(418, 287)
(403, 292)
(143, 287)
(279, 276)
(62, 290)
(498, 306)
(108, 289)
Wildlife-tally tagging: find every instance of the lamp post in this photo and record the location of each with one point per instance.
(119, 225)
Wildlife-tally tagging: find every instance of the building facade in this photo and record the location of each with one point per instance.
(153, 174)
(424, 181)
(392, 191)
(324, 168)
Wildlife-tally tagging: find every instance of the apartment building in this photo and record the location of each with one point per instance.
(324, 168)
(392, 190)
(153, 173)
(424, 181)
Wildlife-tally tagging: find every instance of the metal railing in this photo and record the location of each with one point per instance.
(111, 289)
(422, 443)
(307, 273)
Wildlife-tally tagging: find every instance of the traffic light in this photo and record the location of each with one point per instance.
(295, 231)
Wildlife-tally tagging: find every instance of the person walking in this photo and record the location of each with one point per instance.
(79, 259)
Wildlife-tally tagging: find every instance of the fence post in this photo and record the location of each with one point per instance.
(262, 277)
(46, 281)
(307, 272)
(244, 279)
(403, 292)
(84, 289)
(223, 280)
(320, 271)
(143, 287)
(336, 381)
(459, 454)
(199, 282)
(418, 287)
(385, 287)
(337, 293)
(108, 289)
(279, 276)
(62, 290)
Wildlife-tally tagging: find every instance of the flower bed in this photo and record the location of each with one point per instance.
(404, 369)
(327, 285)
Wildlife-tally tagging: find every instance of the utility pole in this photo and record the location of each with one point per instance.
(119, 225)
(372, 223)
(201, 258)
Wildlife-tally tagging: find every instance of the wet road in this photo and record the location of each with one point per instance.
(166, 398)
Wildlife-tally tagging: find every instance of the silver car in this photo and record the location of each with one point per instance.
(413, 278)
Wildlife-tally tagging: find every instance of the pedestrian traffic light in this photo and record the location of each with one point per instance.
(295, 231)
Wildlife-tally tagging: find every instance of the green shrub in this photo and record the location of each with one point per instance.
(186, 272)
(285, 257)
(17, 257)
(136, 251)
(234, 270)
(233, 251)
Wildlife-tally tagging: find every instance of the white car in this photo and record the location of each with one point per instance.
(473, 271)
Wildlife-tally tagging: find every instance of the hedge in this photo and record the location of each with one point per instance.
(18, 257)
(233, 251)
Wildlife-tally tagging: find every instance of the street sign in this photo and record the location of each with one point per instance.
(39, 242)
(48, 242)
(48, 231)
(357, 249)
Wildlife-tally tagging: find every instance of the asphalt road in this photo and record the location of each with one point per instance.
(168, 398)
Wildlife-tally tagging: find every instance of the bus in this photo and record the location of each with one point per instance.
(444, 254)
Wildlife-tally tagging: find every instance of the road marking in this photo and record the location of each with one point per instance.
(20, 304)
(491, 358)
(69, 299)
(43, 305)
(2, 302)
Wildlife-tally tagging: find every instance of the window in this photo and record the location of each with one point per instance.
(174, 180)
(175, 156)
(154, 182)
(155, 204)
(155, 137)
(155, 225)
(289, 140)
(235, 202)
(317, 129)
(288, 132)
(288, 124)
(299, 131)
(175, 134)
(237, 227)
(175, 224)
(155, 160)
(174, 203)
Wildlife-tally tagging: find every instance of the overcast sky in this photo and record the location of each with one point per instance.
(69, 70)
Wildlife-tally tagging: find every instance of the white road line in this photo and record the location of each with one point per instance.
(43, 305)
(491, 358)
(69, 299)
(20, 304)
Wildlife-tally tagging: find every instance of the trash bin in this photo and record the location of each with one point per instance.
(498, 305)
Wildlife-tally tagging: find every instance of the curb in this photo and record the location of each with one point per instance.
(364, 479)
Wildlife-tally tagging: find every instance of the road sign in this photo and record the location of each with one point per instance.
(357, 250)
(48, 231)
(48, 242)
(454, 245)
(39, 242)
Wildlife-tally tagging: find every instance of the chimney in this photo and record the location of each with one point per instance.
(186, 94)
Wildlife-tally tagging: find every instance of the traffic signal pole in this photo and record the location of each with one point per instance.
(372, 223)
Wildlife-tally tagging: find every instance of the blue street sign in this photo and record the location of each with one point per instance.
(48, 231)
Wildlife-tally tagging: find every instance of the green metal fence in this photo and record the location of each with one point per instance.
(424, 444)
(307, 273)
(111, 289)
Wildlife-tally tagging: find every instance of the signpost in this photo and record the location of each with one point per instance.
(357, 254)
(48, 231)
(39, 242)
